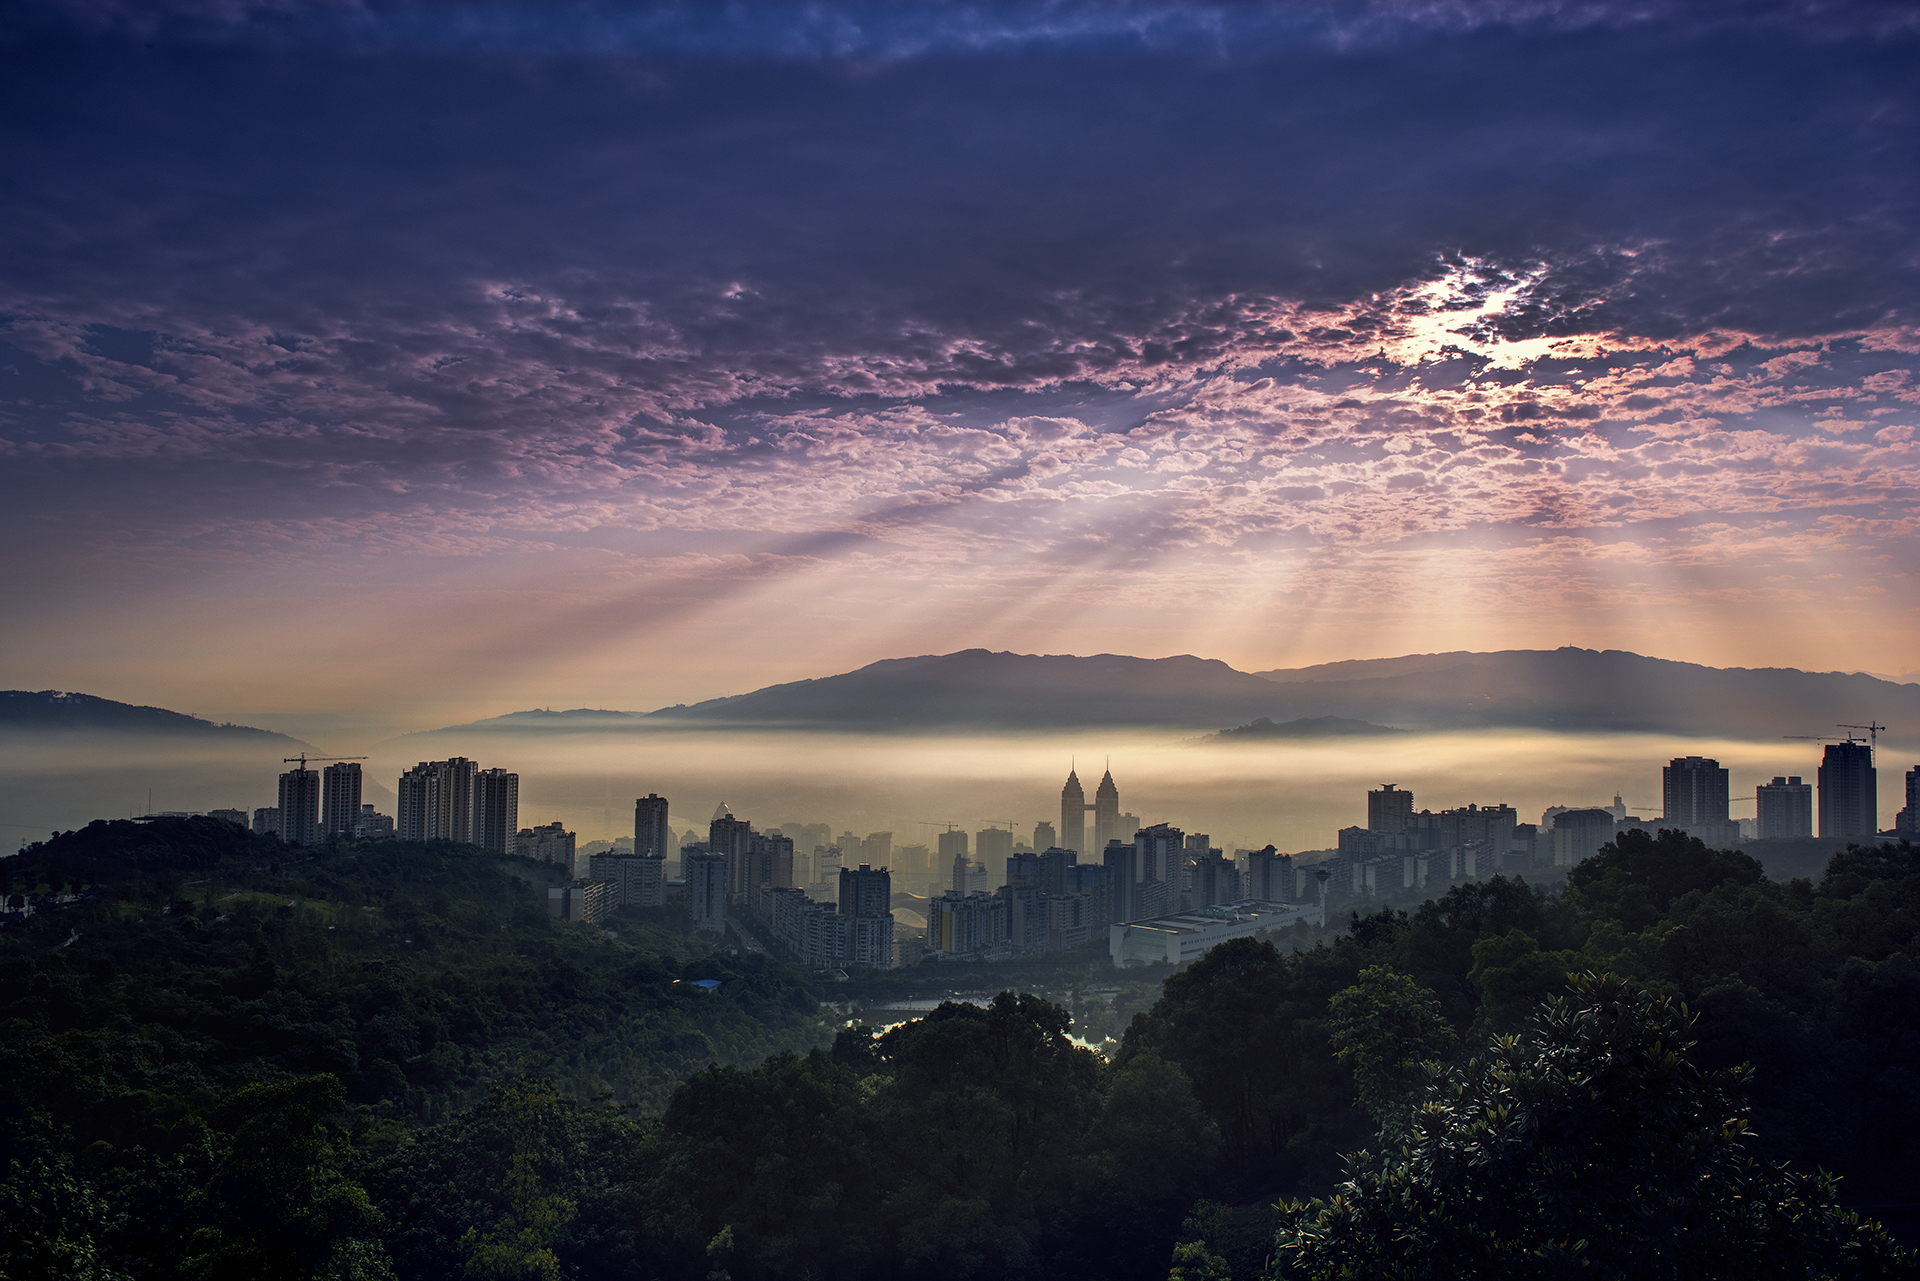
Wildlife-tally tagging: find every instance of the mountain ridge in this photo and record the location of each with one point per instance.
(70, 712)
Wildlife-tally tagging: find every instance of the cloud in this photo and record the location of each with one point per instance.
(905, 304)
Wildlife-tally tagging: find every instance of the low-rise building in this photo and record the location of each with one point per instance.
(1181, 937)
(587, 901)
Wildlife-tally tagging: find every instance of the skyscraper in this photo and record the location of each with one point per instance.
(866, 896)
(1849, 792)
(1694, 789)
(731, 837)
(1073, 814)
(1389, 810)
(878, 848)
(651, 835)
(992, 846)
(496, 809)
(1106, 812)
(300, 806)
(1907, 821)
(436, 801)
(1044, 837)
(953, 857)
(340, 798)
(707, 892)
(1783, 808)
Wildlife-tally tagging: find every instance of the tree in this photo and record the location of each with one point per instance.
(1387, 1028)
(1594, 1146)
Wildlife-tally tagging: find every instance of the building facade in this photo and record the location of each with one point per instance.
(340, 798)
(652, 834)
(496, 810)
(1783, 808)
(300, 806)
(637, 880)
(436, 801)
(1849, 795)
(1073, 815)
(706, 876)
(549, 843)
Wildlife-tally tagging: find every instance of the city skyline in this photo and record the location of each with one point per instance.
(541, 358)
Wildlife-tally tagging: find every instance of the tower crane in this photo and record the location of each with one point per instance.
(1873, 729)
(303, 758)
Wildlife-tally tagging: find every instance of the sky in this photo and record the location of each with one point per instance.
(415, 362)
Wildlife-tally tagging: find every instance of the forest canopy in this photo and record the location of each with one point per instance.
(226, 1057)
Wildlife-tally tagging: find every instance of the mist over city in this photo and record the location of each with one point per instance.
(1112, 639)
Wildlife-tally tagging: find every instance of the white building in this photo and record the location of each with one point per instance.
(1181, 937)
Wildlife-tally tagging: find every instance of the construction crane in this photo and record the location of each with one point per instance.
(1873, 729)
(303, 758)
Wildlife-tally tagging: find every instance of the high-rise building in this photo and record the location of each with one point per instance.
(638, 880)
(436, 801)
(1907, 821)
(707, 892)
(731, 837)
(953, 857)
(1106, 812)
(1783, 808)
(878, 848)
(1162, 853)
(1579, 834)
(1122, 862)
(340, 798)
(1213, 880)
(769, 861)
(548, 843)
(1849, 794)
(1073, 814)
(992, 846)
(1044, 837)
(1389, 810)
(866, 891)
(1694, 791)
(1270, 876)
(651, 834)
(266, 821)
(496, 809)
(300, 806)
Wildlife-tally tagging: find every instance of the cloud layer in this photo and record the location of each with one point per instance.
(569, 334)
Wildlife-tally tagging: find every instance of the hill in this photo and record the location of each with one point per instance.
(50, 710)
(1566, 689)
(1305, 727)
(1599, 690)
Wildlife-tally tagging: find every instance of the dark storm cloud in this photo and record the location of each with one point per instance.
(951, 288)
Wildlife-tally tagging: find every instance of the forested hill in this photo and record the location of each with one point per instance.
(51, 711)
(227, 1058)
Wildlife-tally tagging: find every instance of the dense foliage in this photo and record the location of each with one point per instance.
(225, 1058)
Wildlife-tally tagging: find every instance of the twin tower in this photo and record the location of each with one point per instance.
(1073, 815)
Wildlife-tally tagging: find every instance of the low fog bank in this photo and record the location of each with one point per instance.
(1293, 794)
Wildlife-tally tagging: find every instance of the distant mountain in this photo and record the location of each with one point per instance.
(1599, 690)
(1566, 689)
(979, 689)
(50, 710)
(1305, 727)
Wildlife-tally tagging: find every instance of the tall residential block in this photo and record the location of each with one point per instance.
(992, 846)
(436, 801)
(1694, 792)
(496, 809)
(866, 897)
(707, 892)
(1270, 876)
(1783, 808)
(953, 858)
(1907, 821)
(266, 821)
(300, 806)
(340, 798)
(651, 834)
(1044, 837)
(1389, 810)
(638, 880)
(1849, 794)
(548, 843)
